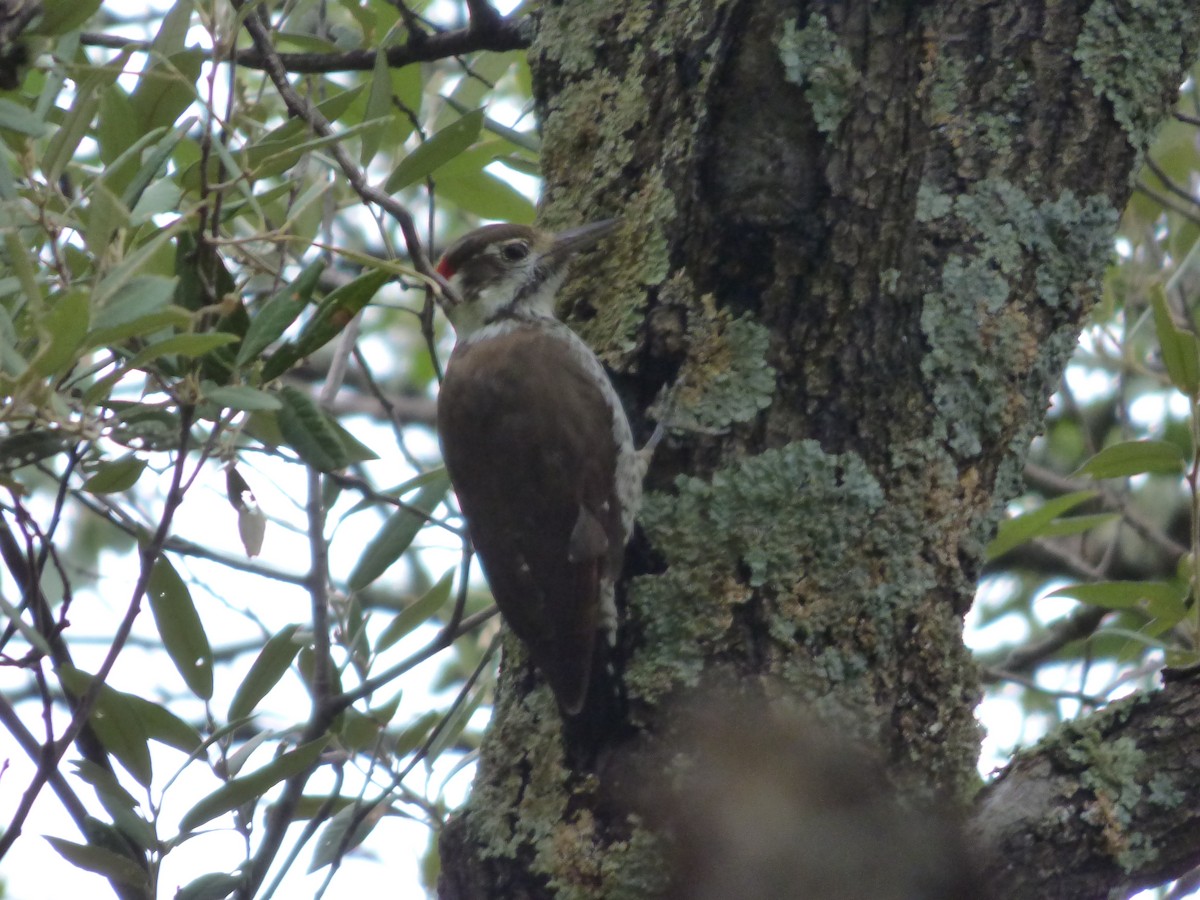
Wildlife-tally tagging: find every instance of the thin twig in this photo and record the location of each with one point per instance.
(505, 34)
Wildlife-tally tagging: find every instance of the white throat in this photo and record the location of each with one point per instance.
(501, 302)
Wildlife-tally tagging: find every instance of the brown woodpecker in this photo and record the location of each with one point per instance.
(538, 448)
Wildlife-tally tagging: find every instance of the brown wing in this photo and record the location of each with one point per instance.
(528, 441)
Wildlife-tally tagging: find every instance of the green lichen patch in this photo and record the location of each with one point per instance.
(1114, 773)
(1131, 50)
(725, 377)
(760, 525)
(814, 59)
(981, 346)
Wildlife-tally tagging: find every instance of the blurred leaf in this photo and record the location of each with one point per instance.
(438, 150)
(273, 319)
(379, 106)
(66, 324)
(249, 788)
(487, 196)
(115, 476)
(240, 396)
(15, 117)
(415, 734)
(1134, 458)
(335, 838)
(180, 627)
(1179, 350)
(142, 308)
(60, 16)
(272, 662)
(168, 86)
(162, 725)
(104, 862)
(1154, 598)
(453, 726)
(116, 723)
(310, 431)
(332, 316)
(397, 534)
(187, 345)
(212, 886)
(420, 611)
(1036, 523)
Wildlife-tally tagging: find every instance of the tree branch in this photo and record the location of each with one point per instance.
(495, 34)
(1105, 805)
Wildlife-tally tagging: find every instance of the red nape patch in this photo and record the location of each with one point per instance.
(445, 269)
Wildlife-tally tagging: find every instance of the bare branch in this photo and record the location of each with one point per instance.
(501, 34)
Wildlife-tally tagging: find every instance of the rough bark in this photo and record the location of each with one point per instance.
(1105, 806)
(860, 240)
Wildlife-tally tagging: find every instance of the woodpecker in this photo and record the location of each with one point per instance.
(538, 448)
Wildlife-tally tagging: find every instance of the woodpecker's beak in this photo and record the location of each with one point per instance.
(568, 243)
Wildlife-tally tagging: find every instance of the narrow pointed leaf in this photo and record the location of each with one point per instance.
(273, 319)
(397, 534)
(1179, 351)
(272, 662)
(102, 861)
(250, 787)
(1027, 526)
(115, 476)
(437, 151)
(1134, 458)
(182, 632)
(421, 611)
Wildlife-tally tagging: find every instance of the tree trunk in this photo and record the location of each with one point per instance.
(860, 240)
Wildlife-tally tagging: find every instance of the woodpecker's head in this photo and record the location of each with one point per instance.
(501, 271)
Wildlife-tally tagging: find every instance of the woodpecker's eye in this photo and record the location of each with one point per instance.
(515, 252)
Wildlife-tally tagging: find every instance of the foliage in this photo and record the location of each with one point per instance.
(211, 346)
(195, 302)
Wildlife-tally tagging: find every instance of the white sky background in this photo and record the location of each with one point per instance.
(389, 860)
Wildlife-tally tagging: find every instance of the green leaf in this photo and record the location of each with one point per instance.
(397, 534)
(279, 312)
(188, 345)
(1036, 523)
(116, 723)
(166, 88)
(421, 611)
(335, 838)
(104, 862)
(212, 886)
(1158, 599)
(415, 734)
(66, 324)
(437, 151)
(60, 16)
(15, 117)
(379, 106)
(331, 317)
(180, 627)
(251, 787)
(1179, 351)
(162, 725)
(1134, 458)
(115, 476)
(453, 726)
(144, 306)
(487, 196)
(309, 431)
(240, 396)
(154, 162)
(272, 662)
